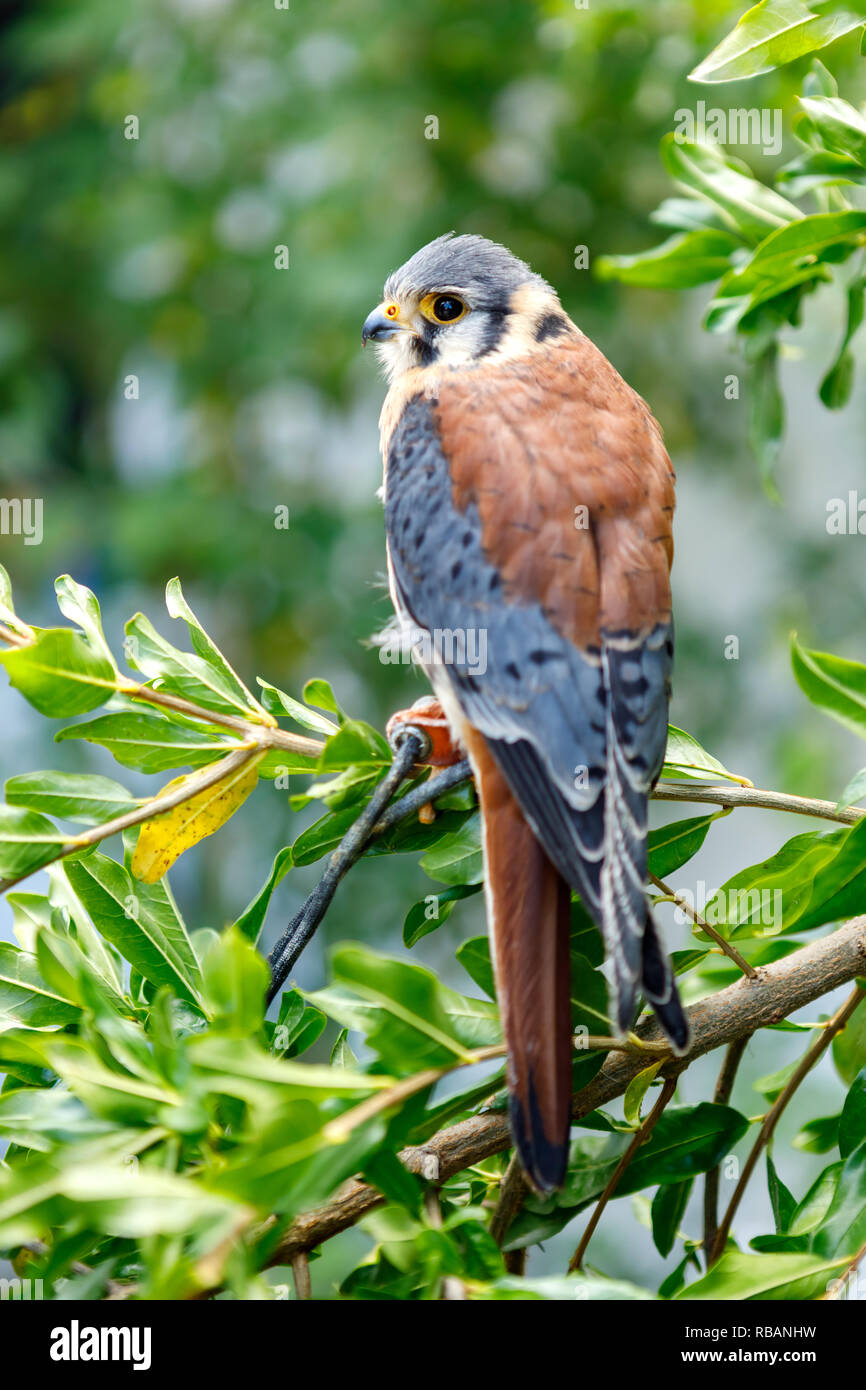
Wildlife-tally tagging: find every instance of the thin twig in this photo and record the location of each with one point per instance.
(512, 1193)
(685, 906)
(265, 729)
(774, 1114)
(14, 639)
(756, 796)
(721, 1096)
(641, 1137)
(339, 1129)
(301, 1275)
(303, 925)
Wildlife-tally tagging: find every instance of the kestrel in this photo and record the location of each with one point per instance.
(528, 504)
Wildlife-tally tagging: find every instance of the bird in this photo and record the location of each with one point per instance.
(529, 502)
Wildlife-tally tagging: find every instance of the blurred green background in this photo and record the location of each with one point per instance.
(306, 127)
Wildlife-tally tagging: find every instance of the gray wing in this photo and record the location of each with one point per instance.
(579, 735)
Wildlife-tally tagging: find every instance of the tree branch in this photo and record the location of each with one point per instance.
(780, 989)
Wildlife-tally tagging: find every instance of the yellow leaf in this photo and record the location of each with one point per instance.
(163, 840)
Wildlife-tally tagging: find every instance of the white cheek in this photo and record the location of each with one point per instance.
(460, 343)
(395, 355)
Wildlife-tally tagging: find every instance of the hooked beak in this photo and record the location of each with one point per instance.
(381, 325)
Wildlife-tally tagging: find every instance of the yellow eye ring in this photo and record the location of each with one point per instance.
(443, 308)
(392, 311)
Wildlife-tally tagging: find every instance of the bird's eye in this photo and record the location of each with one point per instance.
(443, 308)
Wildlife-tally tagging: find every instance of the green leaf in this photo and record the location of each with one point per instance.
(841, 127)
(849, 1046)
(474, 956)
(279, 703)
(457, 857)
(182, 673)
(854, 792)
(687, 259)
(766, 416)
(835, 388)
(70, 795)
(116, 1199)
(298, 1025)
(252, 919)
(843, 1229)
(852, 1122)
(60, 673)
(687, 1140)
(668, 1208)
(415, 1021)
(781, 1276)
(676, 843)
(813, 879)
(30, 911)
(323, 836)
(25, 998)
(558, 1289)
(686, 215)
(151, 742)
(745, 205)
(772, 1086)
(818, 1136)
(684, 757)
(39, 1119)
(818, 169)
(234, 982)
(832, 684)
(81, 606)
(635, 1092)
(424, 917)
(783, 1203)
(27, 841)
(341, 1053)
(789, 249)
(140, 919)
(769, 35)
(319, 693)
(355, 743)
(209, 652)
(7, 608)
(816, 1203)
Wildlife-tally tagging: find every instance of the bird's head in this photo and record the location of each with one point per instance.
(457, 301)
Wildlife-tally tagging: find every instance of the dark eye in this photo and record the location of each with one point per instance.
(443, 308)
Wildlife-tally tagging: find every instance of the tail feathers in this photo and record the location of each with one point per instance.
(528, 912)
(660, 988)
